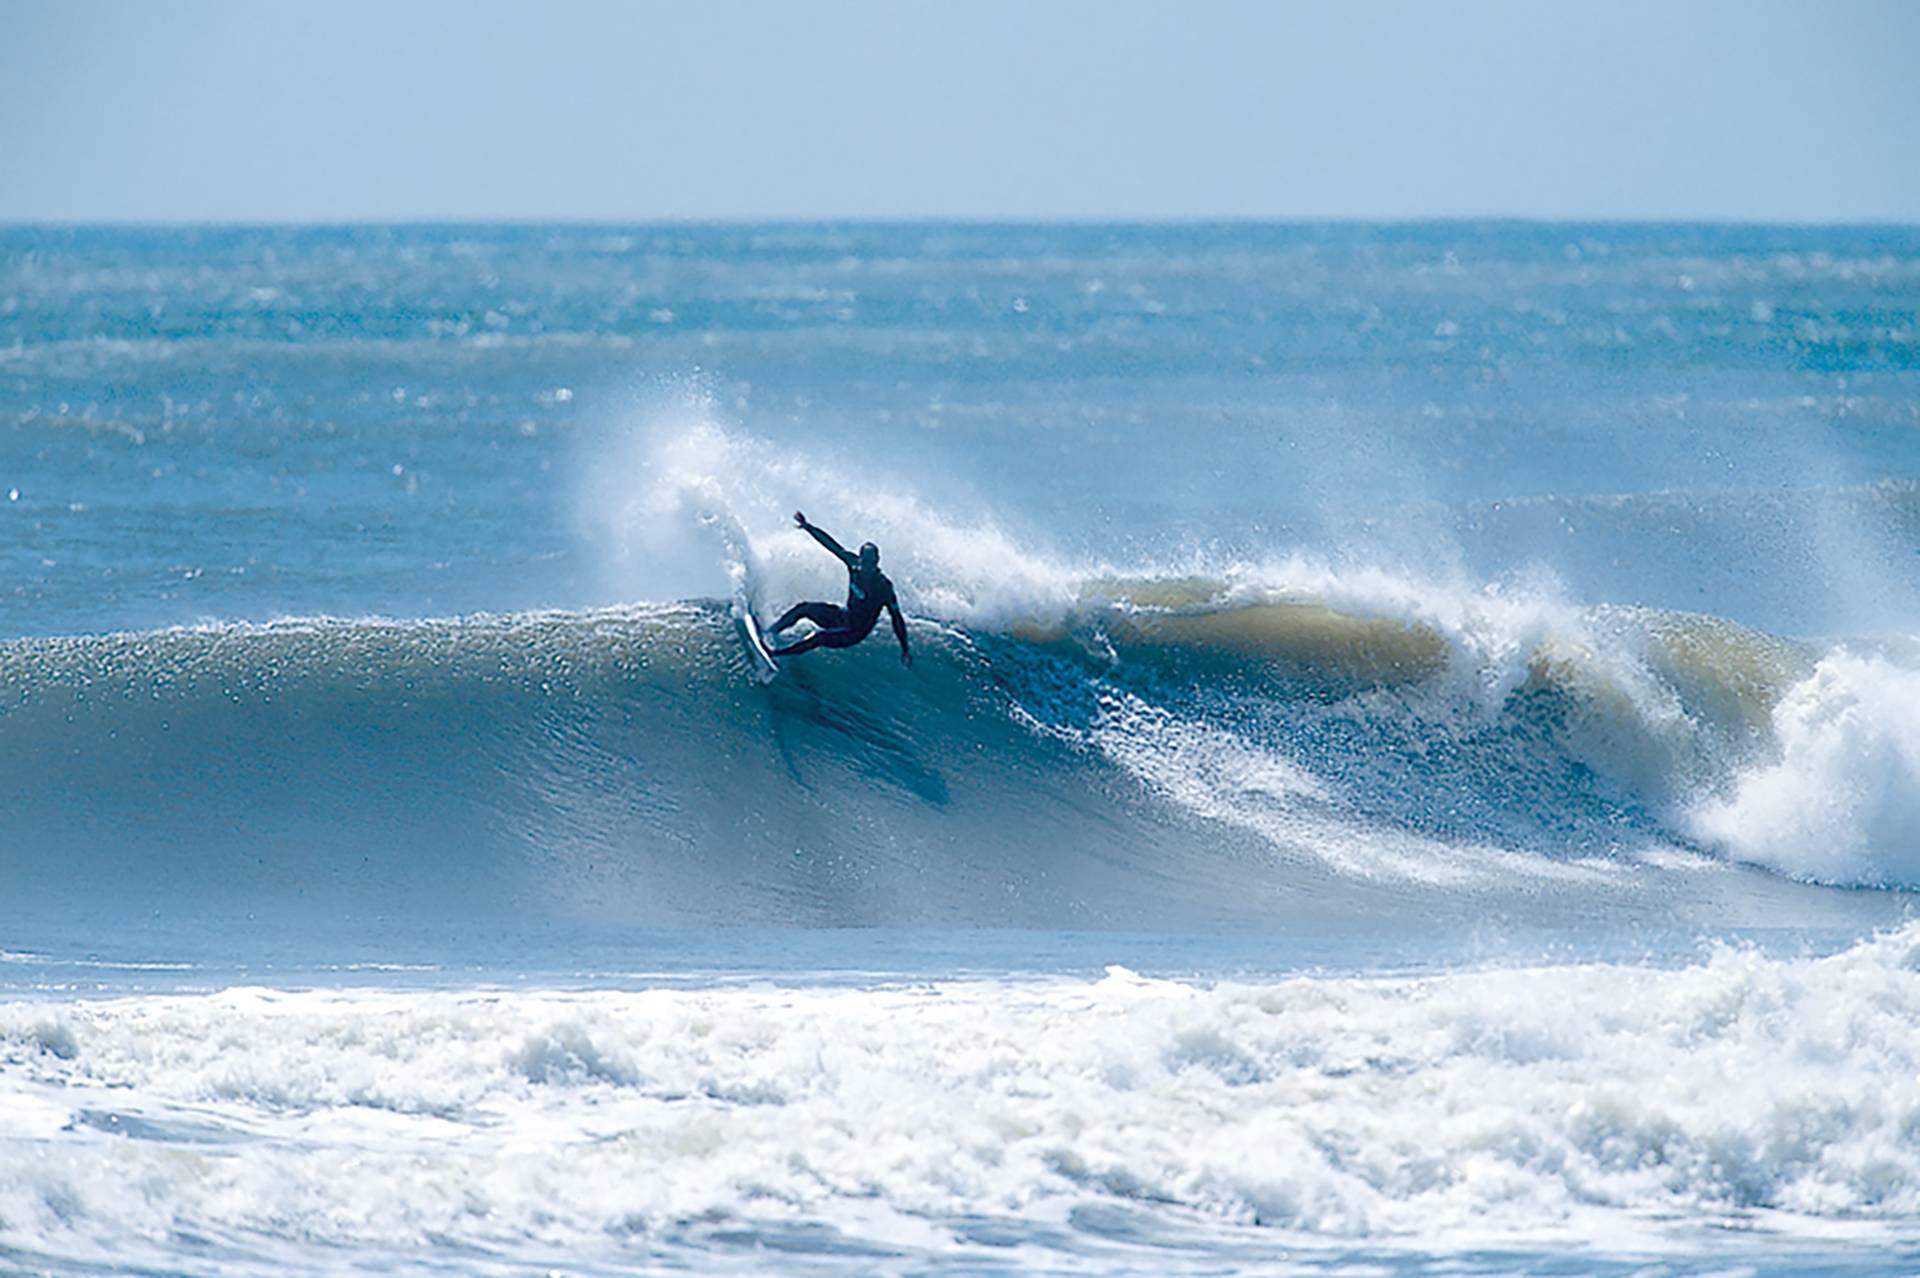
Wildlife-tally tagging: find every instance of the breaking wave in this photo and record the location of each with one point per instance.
(1078, 743)
(1632, 1108)
(1150, 748)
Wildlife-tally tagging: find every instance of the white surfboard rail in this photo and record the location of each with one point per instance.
(763, 663)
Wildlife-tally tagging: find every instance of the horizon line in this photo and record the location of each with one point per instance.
(960, 220)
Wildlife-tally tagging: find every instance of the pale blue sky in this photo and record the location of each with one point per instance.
(385, 109)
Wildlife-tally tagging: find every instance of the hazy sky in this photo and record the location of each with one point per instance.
(386, 109)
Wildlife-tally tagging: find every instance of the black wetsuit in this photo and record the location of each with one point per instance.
(868, 591)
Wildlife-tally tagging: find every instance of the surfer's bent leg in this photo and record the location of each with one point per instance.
(793, 649)
(841, 638)
(824, 615)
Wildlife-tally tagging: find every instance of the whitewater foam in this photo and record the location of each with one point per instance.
(1836, 798)
(1221, 776)
(1602, 1106)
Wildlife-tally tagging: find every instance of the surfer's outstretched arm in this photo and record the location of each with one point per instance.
(834, 548)
(900, 631)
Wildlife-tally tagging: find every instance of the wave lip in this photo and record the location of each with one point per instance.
(1610, 1105)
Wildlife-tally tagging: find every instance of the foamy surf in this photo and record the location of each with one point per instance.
(1607, 1109)
(1835, 794)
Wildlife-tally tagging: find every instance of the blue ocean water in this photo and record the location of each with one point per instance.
(1412, 762)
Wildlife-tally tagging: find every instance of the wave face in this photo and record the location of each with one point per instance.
(1146, 751)
(1741, 1108)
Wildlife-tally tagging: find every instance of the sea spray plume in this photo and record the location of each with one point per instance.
(1492, 633)
(687, 507)
(654, 504)
(683, 502)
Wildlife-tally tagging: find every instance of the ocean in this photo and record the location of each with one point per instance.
(1411, 763)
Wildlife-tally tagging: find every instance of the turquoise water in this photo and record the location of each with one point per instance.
(1412, 762)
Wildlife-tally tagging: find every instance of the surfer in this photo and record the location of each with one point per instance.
(868, 591)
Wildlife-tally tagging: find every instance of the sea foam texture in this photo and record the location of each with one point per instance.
(1578, 1105)
(1838, 799)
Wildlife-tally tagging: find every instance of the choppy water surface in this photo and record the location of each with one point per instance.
(1413, 761)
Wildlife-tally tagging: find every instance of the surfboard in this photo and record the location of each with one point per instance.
(763, 663)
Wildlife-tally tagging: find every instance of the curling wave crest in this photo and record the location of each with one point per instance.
(1153, 748)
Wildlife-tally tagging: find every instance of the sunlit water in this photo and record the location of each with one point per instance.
(1412, 762)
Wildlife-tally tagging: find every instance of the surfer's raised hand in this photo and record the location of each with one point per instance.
(800, 519)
